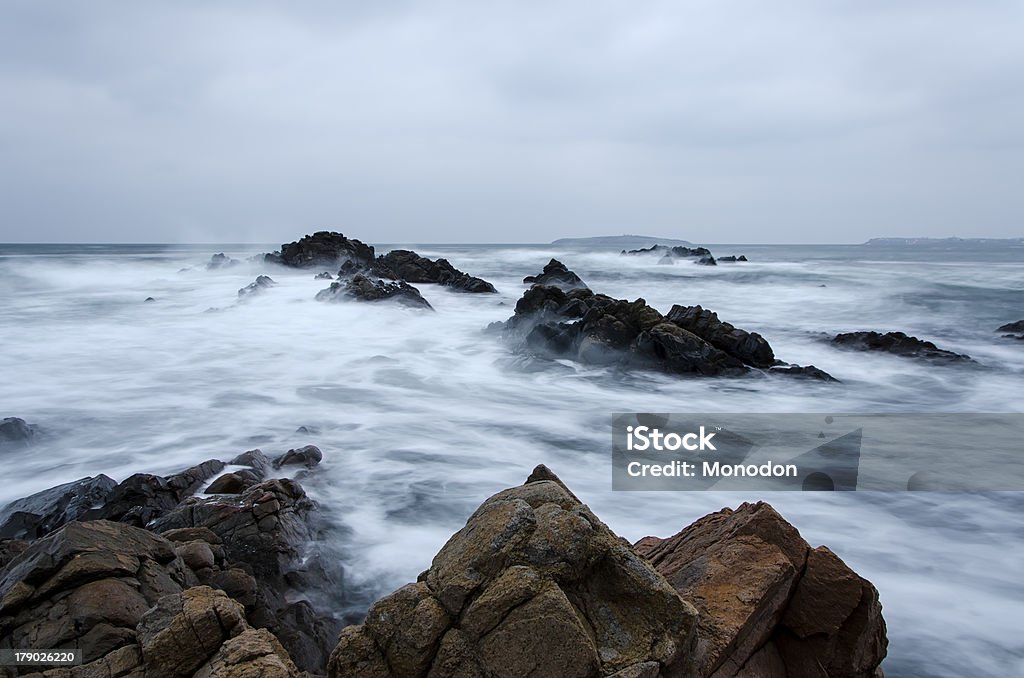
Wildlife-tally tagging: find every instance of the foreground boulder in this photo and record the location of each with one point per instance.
(769, 605)
(323, 248)
(411, 267)
(555, 274)
(361, 288)
(534, 585)
(898, 343)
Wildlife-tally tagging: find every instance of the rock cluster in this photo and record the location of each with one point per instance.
(576, 323)
(323, 248)
(533, 585)
(898, 343)
(1013, 330)
(699, 255)
(768, 604)
(411, 267)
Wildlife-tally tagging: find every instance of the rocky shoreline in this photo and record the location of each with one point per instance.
(147, 578)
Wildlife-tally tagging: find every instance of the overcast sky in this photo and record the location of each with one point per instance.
(713, 121)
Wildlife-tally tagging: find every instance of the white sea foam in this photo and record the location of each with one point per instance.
(420, 419)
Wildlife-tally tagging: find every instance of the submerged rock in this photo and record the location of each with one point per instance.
(534, 584)
(1013, 330)
(324, 275)
(261, 283)
(323, 248)
(769, 605)
(43, 512)
(411, 267)
(555, 274)
(362, 288)
(221, 260)
(898, 343)
(731, 259)
(15, 431)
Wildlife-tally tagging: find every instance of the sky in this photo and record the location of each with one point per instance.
(521, 121)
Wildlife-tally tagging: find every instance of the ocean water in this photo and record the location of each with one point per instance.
(420, 416)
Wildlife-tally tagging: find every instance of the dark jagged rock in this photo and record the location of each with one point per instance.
(789, 610)
(750, 347)
(261, 283)
(707, 261)
(43, 512)
(323, 276)
(232, 483)
(324, 248)
(268, 528)
(555, 274)
(677, 251)
(148, 300)
(143, 497)
(362, 288)
(1013, 330)
(731, 259)
(14, 431)
(221, 260)
(308, 456)
(534, 584)
(899, 344)
(411, 267)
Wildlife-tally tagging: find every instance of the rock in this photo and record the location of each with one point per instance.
(148, 300)
(253, 653)
(667, 260)
(143, 497)
(533, 585)
(9, 549)
(254, 459)
(309, 456)
(261, 283)
(803, 372)
(707, 261)
(39, 514)
(770, 605)
(731, 259)
(1014, 330)
(221, 260)
(15, 432)
(899, 344)
(324, 248)
(232, 483)
(269, 528)
(87, 585)
(361, 288)
(323, 276)
(678, 251)
(411, 267)
(555, 274)
(748, 347)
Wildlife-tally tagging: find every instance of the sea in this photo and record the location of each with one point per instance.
(422, 415)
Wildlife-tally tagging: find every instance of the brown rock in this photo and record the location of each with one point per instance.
(769, 604)
(534, 584)
(254, 653)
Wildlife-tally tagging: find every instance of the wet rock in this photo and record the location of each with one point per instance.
(803, 372)
(87, 585)
(677, 251)
(39, 514)
(308, 456)
(555, 274)
(770, 605)
(361, 288)
(149, 300)
(324, 248)
(707, 261)
(232, 483)
(666, 260)
(323, 276)
(9, 548)
(898, 343)
(268, 529)
(254, 459)
(411, 267)
(533, 585)
(221, 260)
(143, 497)
(731, 259)
(262, 282)
(1013, 330)
(749, 347)
(15, 432)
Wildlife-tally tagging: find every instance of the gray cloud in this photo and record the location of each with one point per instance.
(510, 121)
